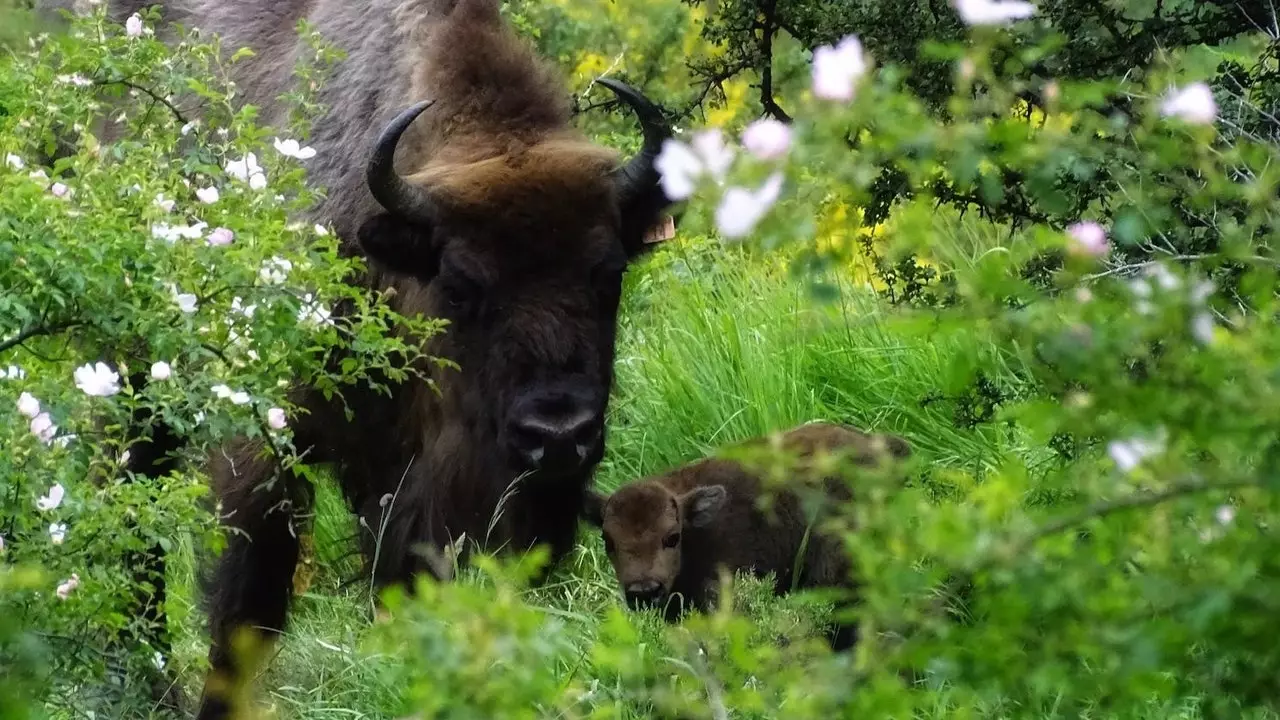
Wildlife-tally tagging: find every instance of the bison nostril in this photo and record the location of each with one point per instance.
(644, 592)
(556, 440)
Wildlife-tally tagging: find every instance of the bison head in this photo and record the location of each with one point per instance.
(642, 525)
(521, 244)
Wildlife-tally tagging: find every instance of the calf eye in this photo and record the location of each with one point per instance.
(671, 540)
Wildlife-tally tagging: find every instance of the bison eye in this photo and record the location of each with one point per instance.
(671, 540)
(459, 291)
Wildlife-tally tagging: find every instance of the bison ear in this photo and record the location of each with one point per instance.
(702, 505)
(593, 503)
(400, 245)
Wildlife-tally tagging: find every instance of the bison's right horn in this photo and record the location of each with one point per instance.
(388, 188)
(638, 178)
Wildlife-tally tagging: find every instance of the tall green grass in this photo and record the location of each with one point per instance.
(715, 346)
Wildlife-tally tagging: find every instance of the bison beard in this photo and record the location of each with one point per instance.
(479, 204)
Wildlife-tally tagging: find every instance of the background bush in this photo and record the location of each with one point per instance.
(1085, 530)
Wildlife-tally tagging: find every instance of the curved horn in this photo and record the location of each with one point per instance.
(638, 176)
(388, 188)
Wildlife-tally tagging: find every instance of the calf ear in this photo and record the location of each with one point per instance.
(593, 503)
(898, 447)
(400, 246)
(702, 505)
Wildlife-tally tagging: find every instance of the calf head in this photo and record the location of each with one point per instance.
(643, 526)
(521, 244)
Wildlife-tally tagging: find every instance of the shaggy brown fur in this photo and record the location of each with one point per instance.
(525, 257)
(671, 535)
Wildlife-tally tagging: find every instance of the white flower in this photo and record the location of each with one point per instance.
(133, 26)
(1127, 454)
(275, 270)
(59, 190)
(64, 440)
(1225, 514)
(38, 175)
(245, 310)
(312, 313)
(1, 544)
(77, 79)
(276, 419)
(740, 209)
(199, 417)
(14, 161)
(321, 230)
(222, 391)
(993, 12)
(158, 660)
(1193, 104)
(681, 165)
(208, 195)
(173, 233)
(1088, 238)
(28, 405)
(240, 398)
(186, 302)
(57, 532)
(160, 370)
(13, 373)
(66, 587)
(186, 129)
(1202, 327)
(837, 69)
(1166, 279)
(247, 170)
(97, 380)
(291, 148)
(220, 236)
(162, 203)
(53, 499)
(767, 139)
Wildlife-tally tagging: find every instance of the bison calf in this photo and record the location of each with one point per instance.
(669, 535)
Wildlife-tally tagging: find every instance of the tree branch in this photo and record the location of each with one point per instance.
(767, 31)
(134, 86)
(37, 331)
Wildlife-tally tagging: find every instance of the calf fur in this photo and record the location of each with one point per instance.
(669, 536)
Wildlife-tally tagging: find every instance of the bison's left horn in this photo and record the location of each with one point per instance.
(639, 177)
(388, 188)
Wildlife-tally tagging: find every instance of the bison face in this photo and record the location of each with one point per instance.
(532, 311)
(642, 524)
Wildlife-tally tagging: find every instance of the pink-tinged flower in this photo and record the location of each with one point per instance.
(68, 586)
(133, 26)
(1083, 295)
(208, 195)
(51, 500)
(14, 161)
(276, 419)
(28, 405)
(1225, 514)
(1193, 104)
(97, 380)
(767, 139)
(247, 170)
(837, 69)
(1128, 454)
(993, 12)
(60, 190)
(741, 209)
(57, 532)
(160, 370)
(1088, 238)
(292, 148)
(680, 166)
(220, 236)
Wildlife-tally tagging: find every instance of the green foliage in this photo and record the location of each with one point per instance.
(1084, 530)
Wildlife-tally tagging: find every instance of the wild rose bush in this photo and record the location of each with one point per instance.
(154, 270)
(1117, 558)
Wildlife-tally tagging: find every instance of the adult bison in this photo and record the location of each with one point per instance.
(478, 203)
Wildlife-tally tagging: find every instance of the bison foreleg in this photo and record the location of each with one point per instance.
(250, 590)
